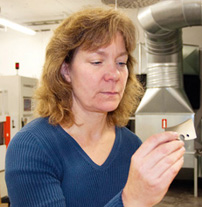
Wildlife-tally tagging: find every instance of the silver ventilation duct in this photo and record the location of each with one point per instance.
(162, 23)
(165, 103)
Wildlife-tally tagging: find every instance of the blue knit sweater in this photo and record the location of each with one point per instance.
(45, 167)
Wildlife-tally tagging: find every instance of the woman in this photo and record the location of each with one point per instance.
(78, 153)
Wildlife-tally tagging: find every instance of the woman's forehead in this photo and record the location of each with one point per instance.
(90, 45)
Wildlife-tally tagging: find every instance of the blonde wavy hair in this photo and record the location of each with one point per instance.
(90, 28)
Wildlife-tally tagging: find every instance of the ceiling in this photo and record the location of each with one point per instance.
(44, 14)
(35, 10)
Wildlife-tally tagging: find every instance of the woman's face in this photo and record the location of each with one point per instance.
(98, 77)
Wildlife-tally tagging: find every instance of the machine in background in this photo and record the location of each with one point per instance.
(16, 110)
(20, 104)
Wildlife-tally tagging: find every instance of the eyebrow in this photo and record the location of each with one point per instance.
(103, 53)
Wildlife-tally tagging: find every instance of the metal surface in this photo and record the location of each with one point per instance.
(151, 123)
(168, 16)
(185, 130)
(164, 100)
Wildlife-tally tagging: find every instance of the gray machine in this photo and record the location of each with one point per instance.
(165, 102)
(18, 101)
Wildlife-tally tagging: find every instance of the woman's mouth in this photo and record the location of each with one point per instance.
(110, 93)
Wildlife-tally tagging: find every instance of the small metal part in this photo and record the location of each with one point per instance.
(185, 130)
(181, 137)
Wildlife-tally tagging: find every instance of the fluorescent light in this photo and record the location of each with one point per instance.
(17, 27)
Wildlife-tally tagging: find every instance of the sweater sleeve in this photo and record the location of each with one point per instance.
(116, 201)
(32, 176)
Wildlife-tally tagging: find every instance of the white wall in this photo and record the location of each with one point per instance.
(28, 50)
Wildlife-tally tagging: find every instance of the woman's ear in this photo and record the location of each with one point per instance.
(65, 71)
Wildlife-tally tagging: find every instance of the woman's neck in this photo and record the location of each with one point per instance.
(94, 135)
(90, 125)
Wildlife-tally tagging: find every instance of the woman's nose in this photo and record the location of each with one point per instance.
(112, 72)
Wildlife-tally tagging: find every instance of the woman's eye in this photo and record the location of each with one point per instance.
(96, 62)
(122, 64)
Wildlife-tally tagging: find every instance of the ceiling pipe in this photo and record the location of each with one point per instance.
(170, 15)
(163, 23)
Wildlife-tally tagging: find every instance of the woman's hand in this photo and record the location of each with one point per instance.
(153, 167)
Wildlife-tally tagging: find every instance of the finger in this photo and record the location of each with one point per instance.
(152, 142)
(168, 176)
(162, 152)
(167, 163)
